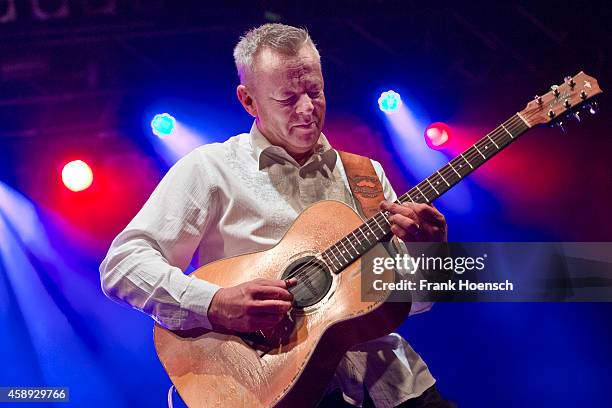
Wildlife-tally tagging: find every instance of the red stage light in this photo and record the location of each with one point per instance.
(77, 175)
(437, 135)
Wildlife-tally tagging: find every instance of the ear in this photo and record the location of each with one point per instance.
(247, 101)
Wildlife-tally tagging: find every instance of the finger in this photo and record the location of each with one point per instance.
(281, 283)
(269, 306)
(421, 210)
(408, 224)
(270, 282)
(406, 234)
(407, 209)
(401, 233)
(430, 213)
(271, 292)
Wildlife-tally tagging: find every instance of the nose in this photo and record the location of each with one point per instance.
(304, 105)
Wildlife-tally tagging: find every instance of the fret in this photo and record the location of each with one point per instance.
(329, 262)
(440, 174)
(503, 127)
(407, 198)
(364, 235)
(347, 249)
(385, 218)
(334, 251)
(374, 218)
(340, 252)
(432, 186)
(469, 164)
(450, 163)
(337, 259)
(424, 196)
(478, 150)
(368, 225)
(500, 135)
(493, 141)
(357, 238)
(356, 251)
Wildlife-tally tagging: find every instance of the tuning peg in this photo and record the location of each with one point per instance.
(538, 99)
(567, 104)
(583, 94)
(555, 90)
(570, 81)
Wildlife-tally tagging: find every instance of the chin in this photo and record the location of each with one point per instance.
(311, 140)
(306, 139)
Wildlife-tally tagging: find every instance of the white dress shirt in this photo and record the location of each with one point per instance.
(225, 199)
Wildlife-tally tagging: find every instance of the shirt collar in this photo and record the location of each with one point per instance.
(266, 154)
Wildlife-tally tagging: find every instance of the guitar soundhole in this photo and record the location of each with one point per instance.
(314, 281)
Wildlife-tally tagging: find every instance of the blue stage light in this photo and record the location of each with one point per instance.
(163, 125)
(389, 101)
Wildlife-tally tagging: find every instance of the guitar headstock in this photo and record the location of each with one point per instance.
(575, 91)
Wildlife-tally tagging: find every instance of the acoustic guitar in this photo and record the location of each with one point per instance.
(292, 364)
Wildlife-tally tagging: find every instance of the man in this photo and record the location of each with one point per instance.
(241, 196)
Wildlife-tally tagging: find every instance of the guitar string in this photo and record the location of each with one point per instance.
(512, 124)
(497, 133)
(311, 266)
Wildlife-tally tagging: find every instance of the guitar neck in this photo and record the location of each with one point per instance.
(465, 163)
(378, 228)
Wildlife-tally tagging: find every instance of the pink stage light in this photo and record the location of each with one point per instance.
(77, 175)
(437, 135)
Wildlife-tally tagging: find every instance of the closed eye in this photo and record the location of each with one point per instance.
(288, 101)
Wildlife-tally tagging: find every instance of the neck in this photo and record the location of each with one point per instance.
(301, 158)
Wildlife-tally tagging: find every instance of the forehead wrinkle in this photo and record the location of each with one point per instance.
(289, 72)
(299, 70)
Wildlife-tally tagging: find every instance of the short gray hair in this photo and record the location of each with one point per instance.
(286, 39)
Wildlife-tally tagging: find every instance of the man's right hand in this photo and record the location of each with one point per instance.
(251, 306)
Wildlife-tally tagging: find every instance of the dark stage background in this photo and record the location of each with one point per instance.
(86, 83)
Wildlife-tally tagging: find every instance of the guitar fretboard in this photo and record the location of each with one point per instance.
(378, 228)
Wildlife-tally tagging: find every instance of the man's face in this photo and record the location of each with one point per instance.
(289, 100)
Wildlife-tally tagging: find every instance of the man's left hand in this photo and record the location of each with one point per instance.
(413, 222)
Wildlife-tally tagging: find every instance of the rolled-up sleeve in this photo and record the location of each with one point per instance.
(145, 263)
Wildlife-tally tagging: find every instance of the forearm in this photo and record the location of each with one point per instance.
(145, 263)
(135, 273)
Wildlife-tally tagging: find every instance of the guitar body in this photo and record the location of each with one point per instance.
(291, 365)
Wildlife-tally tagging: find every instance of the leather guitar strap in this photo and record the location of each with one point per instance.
(364, 182)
